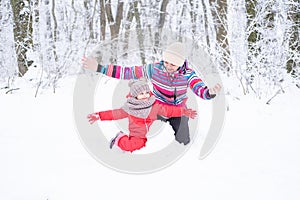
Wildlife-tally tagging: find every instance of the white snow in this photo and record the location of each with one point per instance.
(42, 156)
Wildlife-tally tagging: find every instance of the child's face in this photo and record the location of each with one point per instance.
(143, 95)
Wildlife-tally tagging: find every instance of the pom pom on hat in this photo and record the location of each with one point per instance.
(138, 86)
(175, 54)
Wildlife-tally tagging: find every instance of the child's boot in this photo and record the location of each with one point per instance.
(115, 140)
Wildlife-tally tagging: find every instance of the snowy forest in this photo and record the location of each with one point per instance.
(245, 142)
(253, 43)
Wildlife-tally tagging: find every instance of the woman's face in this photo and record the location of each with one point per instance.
(143, 95)
(171, 68)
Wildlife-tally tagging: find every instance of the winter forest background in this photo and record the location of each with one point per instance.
(254, 43)
(255, 48)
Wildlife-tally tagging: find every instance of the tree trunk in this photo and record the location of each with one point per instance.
(183, 12)
(89, 15)
(102, 20)
(251, 13)
(294, 45)
(161, 22)
(36, 11)
(22, 34)
(119, 17)
(54, 31)
(74, 21)
(139, 32)
(206, 23)
(114, 25)
(193, 15)
(162, 15)
(219, 12)
(129, 18)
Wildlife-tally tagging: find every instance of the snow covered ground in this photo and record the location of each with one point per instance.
(42, 156)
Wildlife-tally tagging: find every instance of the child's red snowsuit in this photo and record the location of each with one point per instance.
(139, 127)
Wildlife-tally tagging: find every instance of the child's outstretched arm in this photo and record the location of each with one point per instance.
(175, 111)
(107, 115)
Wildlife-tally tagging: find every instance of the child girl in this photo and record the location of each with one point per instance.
(141, 109)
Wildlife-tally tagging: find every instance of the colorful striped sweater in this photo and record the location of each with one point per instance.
(168, 88)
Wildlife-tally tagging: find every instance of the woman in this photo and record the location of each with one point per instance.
(171, 78)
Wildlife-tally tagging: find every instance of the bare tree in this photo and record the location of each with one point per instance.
(193, 14)
(114, 22)
(89, 16)
(114, 25)
(37, 42)
(293, 34)
(206, 23)
(127, 25)
(219, 13)
(139, 31)
(251, 13)
(102, 20)
(54, 31)
(161, 21)
(22, 33)
(162, 15)
(74, 10)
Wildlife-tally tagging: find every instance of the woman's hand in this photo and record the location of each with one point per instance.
(215, 89)
(89, 63)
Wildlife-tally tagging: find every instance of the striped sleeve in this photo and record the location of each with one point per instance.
(198, 86)
(125, 73)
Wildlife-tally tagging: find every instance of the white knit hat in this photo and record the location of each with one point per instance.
(174, 54)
